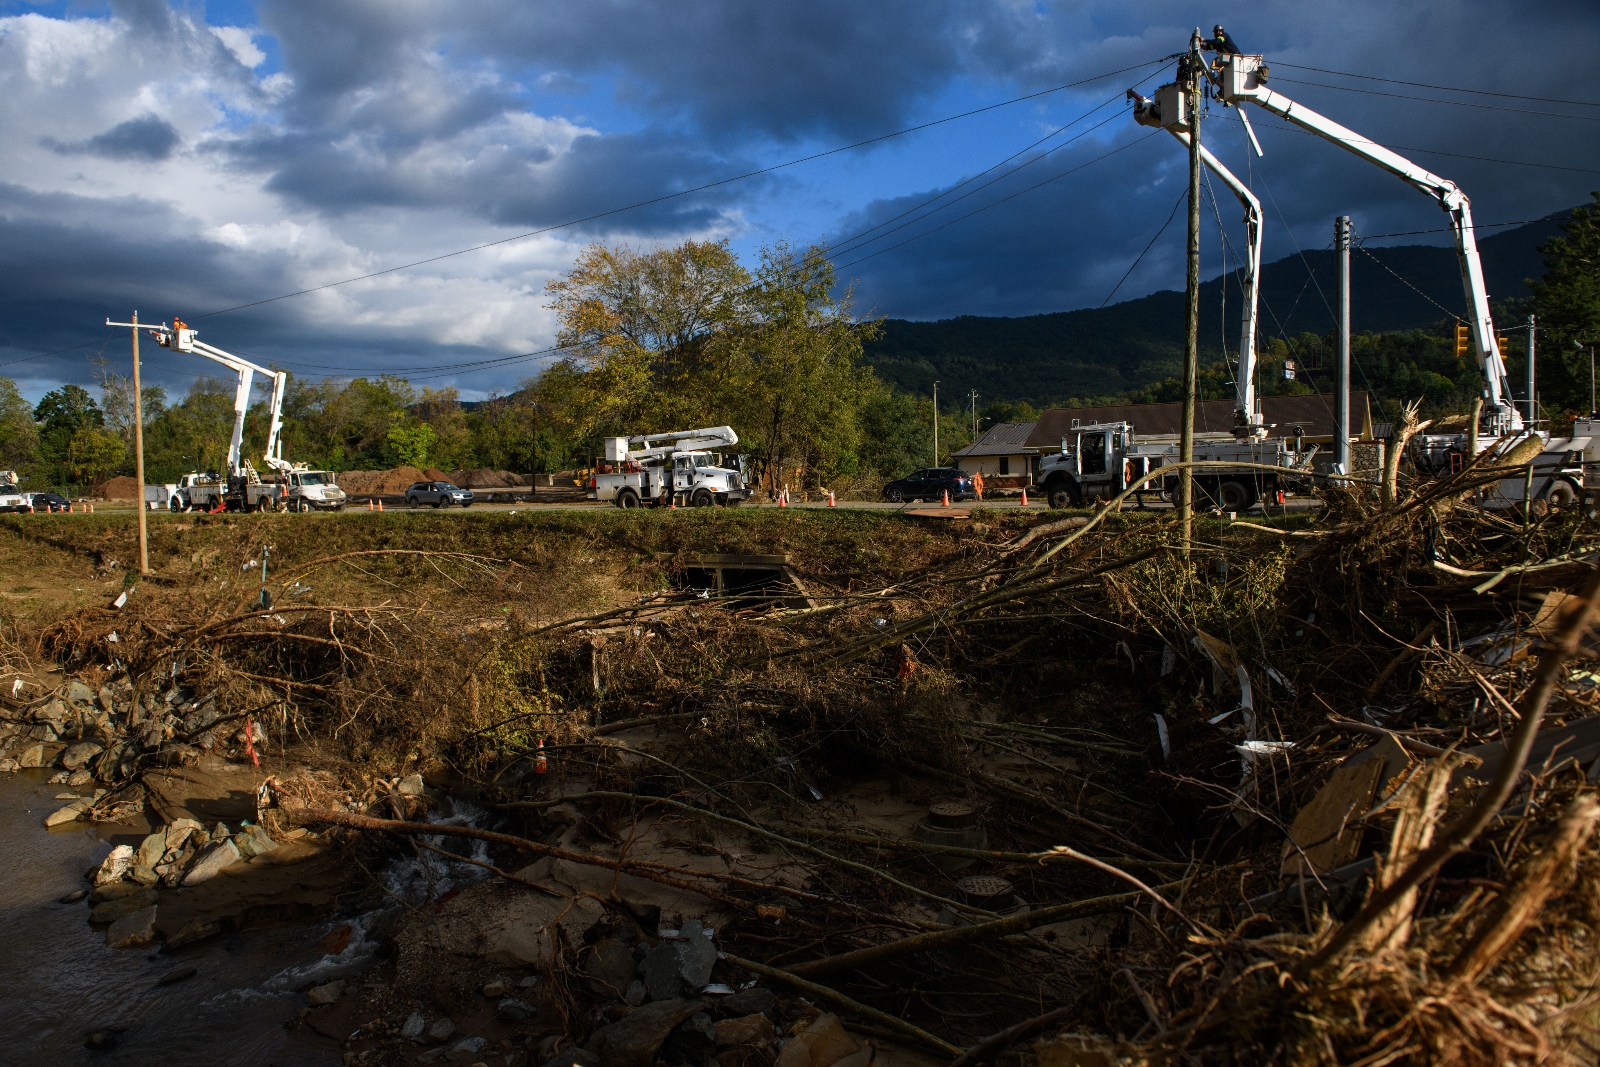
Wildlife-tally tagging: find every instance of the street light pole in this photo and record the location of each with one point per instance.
(935, 423)
(138, 452)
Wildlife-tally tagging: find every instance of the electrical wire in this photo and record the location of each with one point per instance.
(1140, 258)
(1436, 100)
(1403, 280)
(1002, 200)
(1445, 88)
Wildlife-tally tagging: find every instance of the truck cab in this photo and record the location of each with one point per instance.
(307, 490)
(1095, 462)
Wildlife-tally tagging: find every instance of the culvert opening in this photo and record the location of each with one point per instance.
(755, 579)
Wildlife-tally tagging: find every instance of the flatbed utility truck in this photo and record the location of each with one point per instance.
(678, 469)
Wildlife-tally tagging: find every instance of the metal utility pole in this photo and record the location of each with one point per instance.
(1341, 390)
(138, 452)
(1191, 343)
(936, 424)
(1533, 397)
(974, 414)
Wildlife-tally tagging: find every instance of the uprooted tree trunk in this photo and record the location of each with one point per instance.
(1409, 428)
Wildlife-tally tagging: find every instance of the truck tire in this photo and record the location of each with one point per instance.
(1061, 495)
(702, 498)
(1234, 496)
(627, 498)
(1561, 494)
(174, 505)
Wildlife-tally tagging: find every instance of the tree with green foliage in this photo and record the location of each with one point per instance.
(1567, 303)
(19, 437)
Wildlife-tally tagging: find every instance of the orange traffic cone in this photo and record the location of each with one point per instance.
(1024, 496)
(369, 503)
(947, 498)
(380, 503)
(831, 504)
(783, 499)
(541, 764)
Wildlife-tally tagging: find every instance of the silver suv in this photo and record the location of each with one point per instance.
(439, 494)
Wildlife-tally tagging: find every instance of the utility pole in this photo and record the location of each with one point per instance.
(1191, 343)
(1533, 401)
(138, 452)
(1341, 393)
(935, 423)
(974, 414)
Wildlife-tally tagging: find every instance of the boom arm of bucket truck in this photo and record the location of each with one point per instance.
(654, 445)
(1242, 79)
(1169, 111)
(182, 339)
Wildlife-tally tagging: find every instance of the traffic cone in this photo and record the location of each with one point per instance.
(541, 764)
(369, 503)
(831, 504)
(783, 499)
(946, 498)
(380, 503)
(1024, 496)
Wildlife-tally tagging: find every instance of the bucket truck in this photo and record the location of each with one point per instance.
(678, 468)
(291, 486)
(11, 498)
(1240, 79)
(1103, 459)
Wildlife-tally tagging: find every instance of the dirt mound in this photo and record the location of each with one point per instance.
(434, 474)
(122, 488)
(398, 480)
(488, 478)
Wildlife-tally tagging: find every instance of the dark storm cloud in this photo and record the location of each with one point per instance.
(147, 137)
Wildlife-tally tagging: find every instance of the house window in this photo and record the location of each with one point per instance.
(1005, 464)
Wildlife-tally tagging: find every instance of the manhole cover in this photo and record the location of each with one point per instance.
(952, 814)
(985, 889)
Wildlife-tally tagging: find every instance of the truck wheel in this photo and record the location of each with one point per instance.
(702, 498)
(1061, 496)
(1561, 494)
(174, 505)
(627, 498)
(1234, 496)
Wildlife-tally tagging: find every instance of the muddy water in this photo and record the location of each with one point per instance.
(59, 981)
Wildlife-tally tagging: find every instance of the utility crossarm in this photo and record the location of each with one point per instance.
(1242, 79)
(1169, 111)
(654, 445)
(181, 338)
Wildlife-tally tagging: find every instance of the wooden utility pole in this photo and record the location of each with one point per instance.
(1191, 341)
(1341, 388)
(138, 452)
(935, 424)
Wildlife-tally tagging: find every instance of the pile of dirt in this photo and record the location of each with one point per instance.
(397, 480)
(488, 478)
(121, 488)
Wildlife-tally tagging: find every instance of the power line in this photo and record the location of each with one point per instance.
(1445, 88)
(1176, 205)
(1407, 283)
(1435, 100)
(686, 192)
(1003, 199)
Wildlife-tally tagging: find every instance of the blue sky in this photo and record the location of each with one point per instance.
(186, 158)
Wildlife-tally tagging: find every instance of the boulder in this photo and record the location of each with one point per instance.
(133, 930)
(752, 1001)
(109, 911)
(114, 866)
(151, 849)
(413, 1027)
(633, 1040)
(441, 1030)
(494, 989)
(68, 813)
(79, 693)
(113, 891)
(144, 874)
(80, 778)
(210, 862)
(41, 755)
(680, 967)
(610, 968)
(745, 1030)
(469, 1045)
(253, 841)
(328, 993)
(81, 753)
(693, 1040)
(822, 1044)
(514, 1009)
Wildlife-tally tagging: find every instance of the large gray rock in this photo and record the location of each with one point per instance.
(133, 930)
(81, 753)
(151, 849)
(681, 967)
(633, 1040)
(253, 841)
(41, 755)
(414, 1025)
(108, 911)
(610, 968)
(68, 813)
(211, 861)
(441, 1029)
(114, 866)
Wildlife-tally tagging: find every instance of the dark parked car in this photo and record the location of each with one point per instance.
(48, 501)
(930, 483)
(439, 494)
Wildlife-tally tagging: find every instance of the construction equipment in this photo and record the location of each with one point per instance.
(678, 469)
(291, 486)
(11, 498)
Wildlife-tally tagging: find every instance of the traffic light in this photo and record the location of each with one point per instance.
(1463, 339)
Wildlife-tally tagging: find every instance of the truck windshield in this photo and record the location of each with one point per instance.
(704, 460)
(313, 478)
